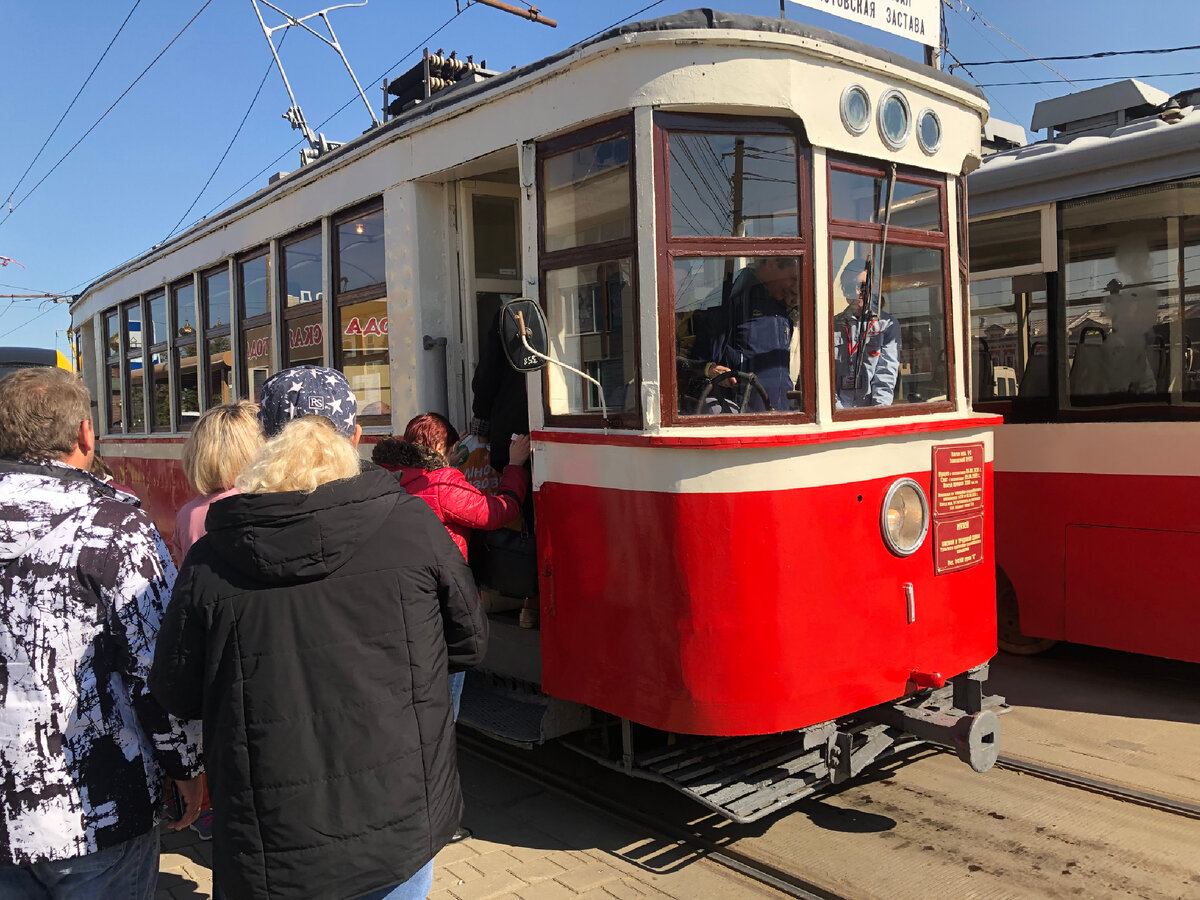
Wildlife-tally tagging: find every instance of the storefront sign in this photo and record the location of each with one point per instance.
(375, 325)
(917, 20)
(957, 479)
(305, 336)
(258, 348)
(957, 543)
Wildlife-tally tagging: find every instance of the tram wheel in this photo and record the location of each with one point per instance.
(1008, 622)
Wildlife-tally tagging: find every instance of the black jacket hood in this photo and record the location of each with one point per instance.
(293, 537)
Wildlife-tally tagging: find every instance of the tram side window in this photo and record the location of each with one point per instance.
(218, 345)
(360, 308)
(158, 362)
(112, 369)
(739, 287)
(254, 309)
(304, 320)
(1128, 331)
(184, 358)
(587, 262)
(131, 346)
(901, 357)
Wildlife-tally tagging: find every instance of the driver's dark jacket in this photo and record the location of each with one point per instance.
(749, 332)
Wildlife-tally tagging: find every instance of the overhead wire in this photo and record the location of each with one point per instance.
(1012, 116)
(229, 146)
(423, 42)
(104, 115)
(70, 106)
(626, 19)
(1087, 80)
(28, 322)
(1098, 55)
(962, 4)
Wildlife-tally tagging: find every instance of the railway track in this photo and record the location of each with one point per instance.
(520, 762)
(1100, 786)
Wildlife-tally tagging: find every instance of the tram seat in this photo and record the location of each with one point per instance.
(1089, 370)
(1035, 380)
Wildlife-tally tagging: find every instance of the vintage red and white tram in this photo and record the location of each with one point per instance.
(710, 564)
(1084, 286)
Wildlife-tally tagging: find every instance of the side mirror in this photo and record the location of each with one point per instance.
(523, 334)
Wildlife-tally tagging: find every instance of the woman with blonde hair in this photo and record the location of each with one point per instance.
(223, 442)
(313, 629)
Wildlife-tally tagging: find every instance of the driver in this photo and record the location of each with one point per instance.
(756, 329)
(877, 380)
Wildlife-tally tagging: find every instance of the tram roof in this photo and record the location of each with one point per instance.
(688, 20)
(1145, 151)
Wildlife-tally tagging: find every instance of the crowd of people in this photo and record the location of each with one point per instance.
(297, 676)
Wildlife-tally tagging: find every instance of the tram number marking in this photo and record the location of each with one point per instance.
(957, 479)
(957, 543)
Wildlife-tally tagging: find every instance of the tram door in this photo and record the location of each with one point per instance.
(489, 261)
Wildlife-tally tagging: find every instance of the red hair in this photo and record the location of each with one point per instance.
(429, 430)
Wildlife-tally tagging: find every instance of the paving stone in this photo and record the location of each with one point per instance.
(440, 895)
(538, 869)
(496, 861)
(488, 887)
(453, 853)
(464, 871)
(547, 890)
(585, 877)
(625, 890)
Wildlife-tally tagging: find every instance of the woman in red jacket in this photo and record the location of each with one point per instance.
(420, 464)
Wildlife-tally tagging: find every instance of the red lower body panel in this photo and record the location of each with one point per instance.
(745, 613)
(159, 483)
(1103, 559)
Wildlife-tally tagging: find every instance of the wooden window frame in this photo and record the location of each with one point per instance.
(300, 310)
(840, 230)
(177, 344)
(377, 291)
(113, 358)
(671, 248)
(245, 323)
(127, 357)
(592, 254)
(206, 333)
(163, 347)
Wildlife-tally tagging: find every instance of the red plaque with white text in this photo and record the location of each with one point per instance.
(957, 479)
(957, 543)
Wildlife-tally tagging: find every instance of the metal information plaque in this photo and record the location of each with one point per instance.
(957, 507)
(917, 20)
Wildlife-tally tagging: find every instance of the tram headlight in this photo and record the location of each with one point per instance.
(856, 109)
(929, 131)
(904, 519)
(895, 119)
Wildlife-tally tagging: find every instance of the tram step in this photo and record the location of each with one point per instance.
(741, 778)
(515, 713)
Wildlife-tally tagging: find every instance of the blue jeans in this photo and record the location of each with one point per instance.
(416, 888)
(456, 686)
(128, 871)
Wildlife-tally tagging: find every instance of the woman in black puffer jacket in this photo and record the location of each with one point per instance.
(313, 628)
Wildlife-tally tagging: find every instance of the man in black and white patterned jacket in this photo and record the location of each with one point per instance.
(84, 580)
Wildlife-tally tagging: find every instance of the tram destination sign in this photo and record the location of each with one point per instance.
(917, 20)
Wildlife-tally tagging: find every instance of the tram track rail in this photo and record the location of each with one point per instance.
(1100, 786)
(518, 762)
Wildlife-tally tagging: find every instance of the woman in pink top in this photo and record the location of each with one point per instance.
(420, 464)
(223, 442)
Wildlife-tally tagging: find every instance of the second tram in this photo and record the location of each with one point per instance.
(1085, 284)
(763, 521)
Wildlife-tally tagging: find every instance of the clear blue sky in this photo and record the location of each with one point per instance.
(129, 182)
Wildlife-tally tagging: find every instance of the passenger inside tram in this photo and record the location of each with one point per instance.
(874, 384)
(755, 329)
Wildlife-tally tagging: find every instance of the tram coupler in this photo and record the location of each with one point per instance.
(975, 737)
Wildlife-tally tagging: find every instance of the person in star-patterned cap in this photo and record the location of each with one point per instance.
(308, 391)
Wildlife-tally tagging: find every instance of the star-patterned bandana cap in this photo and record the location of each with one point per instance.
(307, 391)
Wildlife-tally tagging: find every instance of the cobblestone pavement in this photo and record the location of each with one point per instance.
(527, 844)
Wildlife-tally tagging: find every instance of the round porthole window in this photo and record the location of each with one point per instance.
(895, 121)
(856, 109)
(929, 131)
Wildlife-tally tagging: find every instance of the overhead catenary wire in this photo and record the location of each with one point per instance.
(971, 75)
(1099, 55)
(962, 5)
(29, 322)
(1090, 80)
(229, 146)
(70, 106)
(626, 19)
(104, 115)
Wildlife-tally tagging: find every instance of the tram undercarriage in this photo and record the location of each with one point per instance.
(741, 778)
